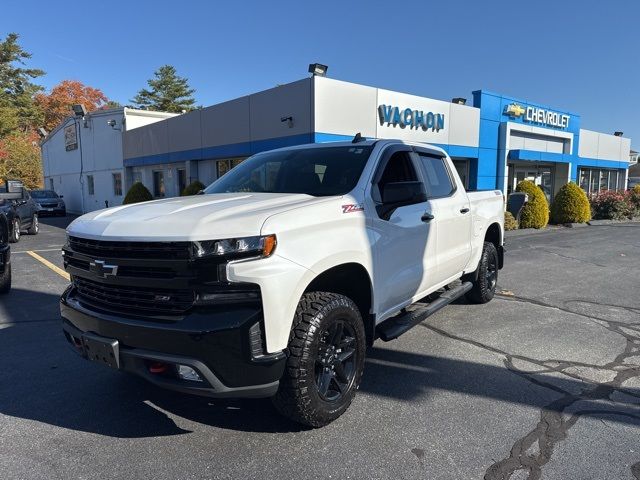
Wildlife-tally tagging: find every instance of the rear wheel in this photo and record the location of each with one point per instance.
(14, 234)
(484, 287)
(326, 360)
(5, 279)
(35, 225)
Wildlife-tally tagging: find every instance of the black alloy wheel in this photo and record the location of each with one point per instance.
(336, 361)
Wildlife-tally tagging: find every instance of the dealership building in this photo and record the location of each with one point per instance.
(494, 140)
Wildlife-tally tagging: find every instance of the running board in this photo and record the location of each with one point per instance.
(393, 327)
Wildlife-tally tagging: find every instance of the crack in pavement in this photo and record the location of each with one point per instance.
(554, 424)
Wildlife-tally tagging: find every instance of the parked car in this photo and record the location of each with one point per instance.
(632, 182)
(49, 202)
(20, 210)
(5, 255)
(274, 280)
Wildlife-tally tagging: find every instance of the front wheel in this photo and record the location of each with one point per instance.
(14, 234)
(326, 359)
(484, 287)
(35, 225)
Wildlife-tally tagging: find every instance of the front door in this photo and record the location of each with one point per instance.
(403, 243)
(542, 176)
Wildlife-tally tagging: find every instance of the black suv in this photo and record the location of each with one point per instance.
(5, 255)
(20, 210)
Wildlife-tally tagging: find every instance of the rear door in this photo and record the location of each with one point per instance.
(404, 244)
(451, 212)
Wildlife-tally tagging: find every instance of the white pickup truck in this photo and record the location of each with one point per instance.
(273, 281)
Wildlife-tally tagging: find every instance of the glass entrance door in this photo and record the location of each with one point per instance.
(541, 176)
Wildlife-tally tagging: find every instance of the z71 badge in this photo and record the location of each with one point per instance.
(353, 207)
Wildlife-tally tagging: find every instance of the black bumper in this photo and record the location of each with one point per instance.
(5, 256)
(215, 343)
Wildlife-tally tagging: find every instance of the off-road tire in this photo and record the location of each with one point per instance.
(35, 225)
(298, 396)
(14, 231)
(484, 287)
(5, 279)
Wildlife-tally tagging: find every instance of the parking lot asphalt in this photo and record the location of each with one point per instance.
(542, 382)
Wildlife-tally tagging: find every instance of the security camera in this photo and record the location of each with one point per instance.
(289, 120)
(111, 123)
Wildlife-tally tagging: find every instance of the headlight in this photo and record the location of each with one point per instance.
(236, 247)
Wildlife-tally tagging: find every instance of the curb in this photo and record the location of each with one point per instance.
(554, 228)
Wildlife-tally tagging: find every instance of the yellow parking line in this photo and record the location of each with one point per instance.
(47, 263)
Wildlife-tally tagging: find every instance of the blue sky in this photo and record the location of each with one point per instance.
(581, 56)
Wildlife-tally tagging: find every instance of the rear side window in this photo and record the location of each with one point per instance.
(438, 179)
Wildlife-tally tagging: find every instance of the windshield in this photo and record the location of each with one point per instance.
(44, 194)
(320, 172)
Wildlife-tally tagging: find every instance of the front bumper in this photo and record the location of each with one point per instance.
(52, 211)
(5, 257)
(219, 344)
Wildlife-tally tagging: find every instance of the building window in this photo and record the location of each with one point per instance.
(594, 180)
(223, 166)
(117, 184)
(90, 185)
(137, 176)
(158, 183)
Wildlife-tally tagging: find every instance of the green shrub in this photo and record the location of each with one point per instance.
(611, 205)
(535, 213)
(510, 223)
(570, 205)
(137, 193)
(193, 188)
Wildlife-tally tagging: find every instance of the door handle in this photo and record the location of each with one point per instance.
(464, 210)
(427, 217)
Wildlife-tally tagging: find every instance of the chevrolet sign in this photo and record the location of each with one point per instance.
(537, 115)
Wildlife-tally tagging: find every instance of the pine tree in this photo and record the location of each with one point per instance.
(167, 92)
(18, 111)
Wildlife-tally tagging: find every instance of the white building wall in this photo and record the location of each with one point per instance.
(346, 108)
(102, 156)
(603, 146)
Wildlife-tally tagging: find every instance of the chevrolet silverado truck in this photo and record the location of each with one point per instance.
(273, 281)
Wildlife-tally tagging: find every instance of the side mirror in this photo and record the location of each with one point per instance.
(403, 193)
(60, 196)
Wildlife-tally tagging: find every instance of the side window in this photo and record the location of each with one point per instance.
(399, 168)
(438, 178)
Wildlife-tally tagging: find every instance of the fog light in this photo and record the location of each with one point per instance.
(188, 373)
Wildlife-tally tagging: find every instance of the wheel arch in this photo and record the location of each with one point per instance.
(353, 281)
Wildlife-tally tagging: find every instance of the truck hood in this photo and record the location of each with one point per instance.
(199, 217)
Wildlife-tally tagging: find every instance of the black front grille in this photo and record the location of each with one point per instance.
(49, 205)
(142, 250)
(133, 300)
(124, 270)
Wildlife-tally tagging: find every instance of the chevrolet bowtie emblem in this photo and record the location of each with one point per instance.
(514, 110)
(101, 269)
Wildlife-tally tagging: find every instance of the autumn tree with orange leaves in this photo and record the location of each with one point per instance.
(56, 105)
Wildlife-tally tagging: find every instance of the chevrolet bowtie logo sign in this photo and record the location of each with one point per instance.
(102, 270)
(514, 110)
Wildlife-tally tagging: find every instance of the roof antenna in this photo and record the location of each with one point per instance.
(358, 138)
